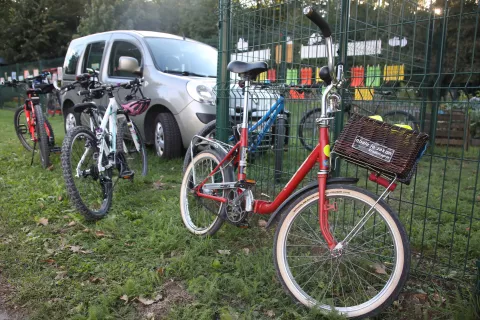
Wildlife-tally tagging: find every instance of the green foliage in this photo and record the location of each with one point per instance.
(192, 18)
(37, 29)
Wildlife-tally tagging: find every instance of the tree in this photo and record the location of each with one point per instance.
(37, 29)
(191, 18)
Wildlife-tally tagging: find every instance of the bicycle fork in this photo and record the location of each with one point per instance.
(323, 205)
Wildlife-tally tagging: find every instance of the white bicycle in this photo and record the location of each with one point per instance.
(90, 155)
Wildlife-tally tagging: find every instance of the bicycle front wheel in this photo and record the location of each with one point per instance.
(133, 148)
(358, 281)
(202, 216)
(89, 190)
(42, 137)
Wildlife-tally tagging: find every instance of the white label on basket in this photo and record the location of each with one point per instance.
(374, 149)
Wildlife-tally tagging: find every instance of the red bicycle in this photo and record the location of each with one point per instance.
(31, 125)
(337, 247)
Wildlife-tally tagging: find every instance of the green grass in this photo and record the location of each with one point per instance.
(138, 249)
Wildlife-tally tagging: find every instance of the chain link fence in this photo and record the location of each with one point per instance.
(412, 62)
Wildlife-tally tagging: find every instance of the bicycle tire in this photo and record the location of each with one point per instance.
(42, 138)
(209, 131)
(136, 159)
(280, 134)
(21, 129)
(226, 175)
(308, 130)
(28, 143)
(408, 119)
(88, 139)
(360, 266)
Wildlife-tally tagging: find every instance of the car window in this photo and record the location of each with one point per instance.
(93, 56)
(183, 57)
(71, 58)
(122, 49)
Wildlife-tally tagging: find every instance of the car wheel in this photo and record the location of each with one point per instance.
(168, 140)
(71, 119)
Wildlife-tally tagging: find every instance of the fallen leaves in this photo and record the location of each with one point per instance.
(43, 221)
(262, 223)
(49, 261)
(96, 280)
(246, 251)
(61, 275)
(270, 313)
(159, 185)
(124, 298)
(78, 249)
(100, 234)
(144, 301)
(379, 268)
(72, 223)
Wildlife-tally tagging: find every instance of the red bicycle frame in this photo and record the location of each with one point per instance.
(320, 155)
(30, 115)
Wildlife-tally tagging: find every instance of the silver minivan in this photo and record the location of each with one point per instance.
(179, 76)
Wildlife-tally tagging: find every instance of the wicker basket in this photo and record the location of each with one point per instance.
(382, 147)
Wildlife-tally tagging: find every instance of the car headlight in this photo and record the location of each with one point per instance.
(200, 92)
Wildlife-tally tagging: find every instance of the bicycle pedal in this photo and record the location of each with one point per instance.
(56, 150)
(245, 184)
(126, 174)
(243, 225)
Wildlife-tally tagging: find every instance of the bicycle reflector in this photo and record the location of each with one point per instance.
(136, 107)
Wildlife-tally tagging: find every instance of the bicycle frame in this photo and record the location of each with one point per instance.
(277, 108)
(320, 155)
(30, 115)
(101, 131)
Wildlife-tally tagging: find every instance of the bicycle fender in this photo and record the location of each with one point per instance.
(312, 185)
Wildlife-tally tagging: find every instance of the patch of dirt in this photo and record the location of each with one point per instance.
(173, 293)
(8, 310)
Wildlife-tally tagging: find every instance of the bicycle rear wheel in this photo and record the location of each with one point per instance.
(136, 156)
(202, 216)
(21, 129)
(308, 129)
(358, 281)
(278, 148)
(42, 137)
(89, 189)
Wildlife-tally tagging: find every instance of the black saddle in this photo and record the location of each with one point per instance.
(247, 70)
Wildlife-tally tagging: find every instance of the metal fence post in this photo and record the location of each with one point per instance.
(223, 76)
(441, 43)
(343, 47)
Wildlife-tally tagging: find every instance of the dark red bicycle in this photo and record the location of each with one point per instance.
(337, 247)
(31, 126)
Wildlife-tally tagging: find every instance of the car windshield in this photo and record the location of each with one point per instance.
(183, 57)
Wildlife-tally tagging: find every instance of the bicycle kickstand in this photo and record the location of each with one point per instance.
(33, 152)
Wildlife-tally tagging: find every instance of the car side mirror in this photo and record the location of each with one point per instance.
(129, 64)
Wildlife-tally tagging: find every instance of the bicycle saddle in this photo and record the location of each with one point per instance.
(248, 70)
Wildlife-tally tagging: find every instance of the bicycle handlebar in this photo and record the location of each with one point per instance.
(318, 21)
(104, 87)
(322, 24)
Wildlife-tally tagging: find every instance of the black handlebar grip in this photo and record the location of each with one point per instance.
(321, 23)
(325, 75)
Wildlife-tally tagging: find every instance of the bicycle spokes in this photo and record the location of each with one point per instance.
(349, 276)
